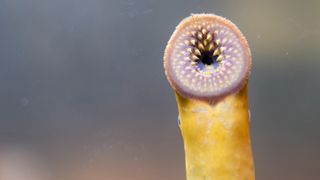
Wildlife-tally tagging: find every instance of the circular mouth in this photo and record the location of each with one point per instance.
(207, 57)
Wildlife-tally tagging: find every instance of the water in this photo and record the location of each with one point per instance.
(78, 74)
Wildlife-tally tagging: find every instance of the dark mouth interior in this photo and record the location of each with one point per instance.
(208, 59)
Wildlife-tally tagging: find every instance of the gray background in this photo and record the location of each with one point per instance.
(83, 93)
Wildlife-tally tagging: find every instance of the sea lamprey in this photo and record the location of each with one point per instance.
(207, 62)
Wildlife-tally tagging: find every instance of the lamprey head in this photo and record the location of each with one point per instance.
(207, 58)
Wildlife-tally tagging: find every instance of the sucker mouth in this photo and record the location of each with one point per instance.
(207, 57)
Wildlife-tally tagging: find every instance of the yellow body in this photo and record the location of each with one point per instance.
(217, 138)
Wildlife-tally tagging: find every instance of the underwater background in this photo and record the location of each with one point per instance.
(84, 96)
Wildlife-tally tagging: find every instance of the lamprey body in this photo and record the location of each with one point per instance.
(207, 62)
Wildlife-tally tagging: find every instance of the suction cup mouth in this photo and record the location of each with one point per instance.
(207, 57)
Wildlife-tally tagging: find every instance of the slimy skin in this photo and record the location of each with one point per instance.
(207, 62)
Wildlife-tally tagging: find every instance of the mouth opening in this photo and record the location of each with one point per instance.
(207, 59)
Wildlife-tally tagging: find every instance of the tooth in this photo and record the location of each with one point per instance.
(218, 41)
(200, 46)
(194, 57)
(211, 46)
(216, 52)
(204, 31)
(197, 52)
(205, 42)
(219, 58)
(193, 33)
(216, 32)
(186, 42)
(200, 36)
(222, 49)
(209, 37)
(189, 50)
(224, 40)
(193, 63)
(184, 53)
(193, 42)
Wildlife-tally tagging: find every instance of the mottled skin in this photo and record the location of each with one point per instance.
(207, 63)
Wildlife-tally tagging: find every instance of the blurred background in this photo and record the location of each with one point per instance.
(83, 93)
